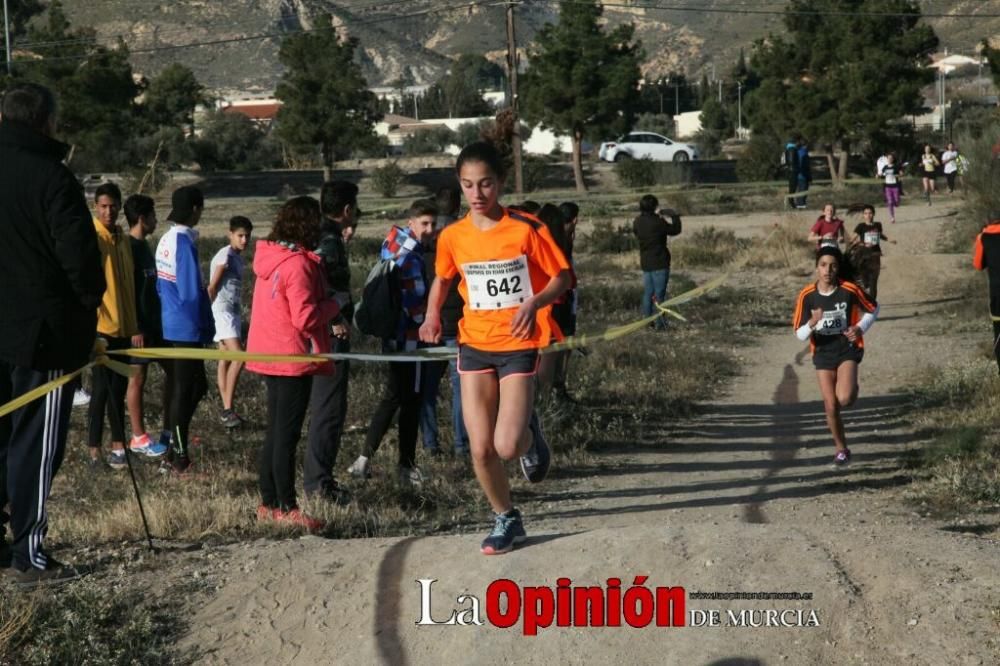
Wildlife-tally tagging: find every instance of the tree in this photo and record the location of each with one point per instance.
(463, 86)
(172, 96)
(582, 80)
(95, 88)
(846, 69)
(992, 56)
(325, 97)
(231, 141)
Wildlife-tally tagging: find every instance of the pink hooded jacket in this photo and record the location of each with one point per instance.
(291, 313)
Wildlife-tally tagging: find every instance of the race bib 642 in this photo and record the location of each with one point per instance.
(497, 285)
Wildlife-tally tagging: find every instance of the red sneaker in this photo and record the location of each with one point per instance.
(297, 518)
(265, 513)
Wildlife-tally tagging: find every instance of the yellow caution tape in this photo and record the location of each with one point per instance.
(100, 358)
(101, 352)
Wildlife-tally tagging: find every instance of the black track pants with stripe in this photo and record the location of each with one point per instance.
(32, 444)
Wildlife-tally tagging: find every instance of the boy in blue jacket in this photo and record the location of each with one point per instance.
(186, 314)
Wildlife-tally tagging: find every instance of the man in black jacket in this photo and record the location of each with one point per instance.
(652, 230)
(50, 287)
(328, 402)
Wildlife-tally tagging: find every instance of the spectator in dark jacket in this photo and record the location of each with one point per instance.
(652, 229)
(328, 399)
(51, 287)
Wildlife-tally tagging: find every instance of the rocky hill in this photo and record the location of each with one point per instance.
(237, 55)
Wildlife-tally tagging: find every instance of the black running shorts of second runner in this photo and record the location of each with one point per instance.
(831, 360)
(521, 363)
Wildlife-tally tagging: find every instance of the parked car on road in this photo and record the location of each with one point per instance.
(636, 145)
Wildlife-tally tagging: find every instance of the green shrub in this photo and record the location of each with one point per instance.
(645, 172)
(761, 160)
(636, 173)
(605, 238)
(533, 171)
(387, 179)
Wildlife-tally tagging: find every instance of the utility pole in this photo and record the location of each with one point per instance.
(739, 108)
(6, 35)
(677, 98)
(512, 78)
(720, 91)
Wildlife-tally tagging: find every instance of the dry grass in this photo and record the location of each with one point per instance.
(961, 407)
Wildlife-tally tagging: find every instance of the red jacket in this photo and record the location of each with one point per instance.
(291, 313)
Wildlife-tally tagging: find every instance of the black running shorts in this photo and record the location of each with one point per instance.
(831, 360)
(521, 363)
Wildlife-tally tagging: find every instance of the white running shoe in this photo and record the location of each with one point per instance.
(360, 468)
(81, 398)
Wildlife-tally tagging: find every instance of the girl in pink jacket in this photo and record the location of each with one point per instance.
(291, 315)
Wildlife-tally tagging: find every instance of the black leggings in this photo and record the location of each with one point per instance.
(189, 387)
(108, 398)
(287, 400)
(996, 341)
(402, 392)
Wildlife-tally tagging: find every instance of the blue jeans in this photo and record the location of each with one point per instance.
(431, 380)
(802, 185)
(654, 285)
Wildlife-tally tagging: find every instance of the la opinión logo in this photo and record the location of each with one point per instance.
(566, 605)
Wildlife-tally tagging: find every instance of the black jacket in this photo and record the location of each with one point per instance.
(51, 279)
(652, 231)
(336, 265)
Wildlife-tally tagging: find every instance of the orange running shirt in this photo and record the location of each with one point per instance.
(499, 269)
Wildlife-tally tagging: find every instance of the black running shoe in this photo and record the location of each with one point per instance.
(507, 531)
(535, 462)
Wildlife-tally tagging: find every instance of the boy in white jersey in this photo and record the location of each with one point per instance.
(225, 292)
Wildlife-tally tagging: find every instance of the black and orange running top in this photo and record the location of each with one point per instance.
(500, 268)
(842, 308)
(986, 256)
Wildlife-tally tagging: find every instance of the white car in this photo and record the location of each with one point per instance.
(646, 144)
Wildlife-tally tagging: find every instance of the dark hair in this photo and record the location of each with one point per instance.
(30, 104)
(648, 204)
(868, 207)
(845, 269)
(485, 152)
(136, 206)
(335, 195)
(570, 211)
(448, 200)
(298, 222)
(108, 189)
(528, 206)
(556, 224)
(422, 207)
(240, 222)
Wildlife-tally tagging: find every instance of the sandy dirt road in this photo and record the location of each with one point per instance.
(740, 499)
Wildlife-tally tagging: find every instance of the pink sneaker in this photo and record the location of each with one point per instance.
(299, 519)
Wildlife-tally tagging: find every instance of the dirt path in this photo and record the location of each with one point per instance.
(741, 499)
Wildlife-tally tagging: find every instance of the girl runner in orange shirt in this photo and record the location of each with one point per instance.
(511, 271)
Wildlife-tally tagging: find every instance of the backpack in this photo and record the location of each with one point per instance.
(381, 303)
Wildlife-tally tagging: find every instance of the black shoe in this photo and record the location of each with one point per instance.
(535, 462)
(54, 573)
(6, 554)
(333, 494)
